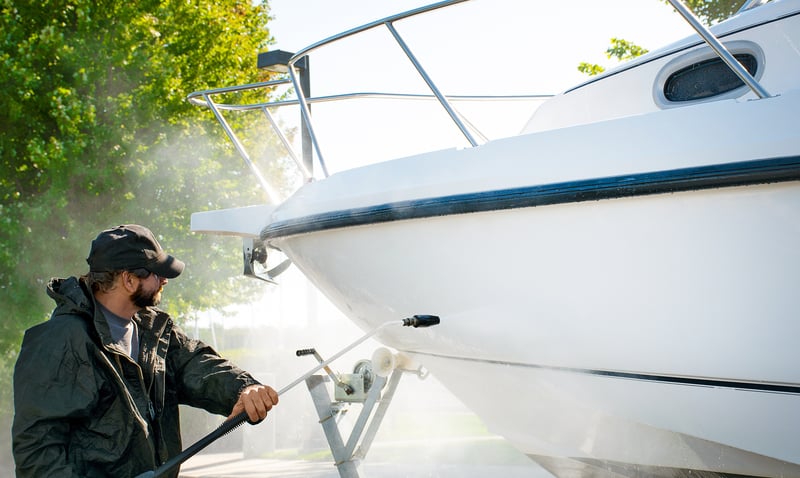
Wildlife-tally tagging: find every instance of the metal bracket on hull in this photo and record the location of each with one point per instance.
(259, 262)
(254, 252)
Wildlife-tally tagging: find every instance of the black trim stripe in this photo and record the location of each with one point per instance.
(769, 387)
(639, 184)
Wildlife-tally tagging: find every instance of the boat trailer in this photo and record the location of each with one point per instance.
(365, 385)
(372, 383)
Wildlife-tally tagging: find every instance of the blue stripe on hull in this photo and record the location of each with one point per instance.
(638, 184)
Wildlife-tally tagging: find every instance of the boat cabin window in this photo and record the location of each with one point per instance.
(706, 78)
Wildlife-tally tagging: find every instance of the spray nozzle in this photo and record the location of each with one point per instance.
(421, 321)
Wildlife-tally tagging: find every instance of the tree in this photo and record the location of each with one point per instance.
(95, 130)
(711, 12)
(620, 49)
(708, 11)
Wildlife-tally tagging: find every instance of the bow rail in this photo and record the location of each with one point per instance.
(472, 135)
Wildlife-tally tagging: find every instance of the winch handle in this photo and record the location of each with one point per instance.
(229, 425)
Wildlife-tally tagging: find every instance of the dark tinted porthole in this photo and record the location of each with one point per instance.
(706, 79)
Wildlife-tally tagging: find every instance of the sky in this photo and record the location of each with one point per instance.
(507, 47)
(491, 30)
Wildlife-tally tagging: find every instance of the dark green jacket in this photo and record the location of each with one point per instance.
(83, 408)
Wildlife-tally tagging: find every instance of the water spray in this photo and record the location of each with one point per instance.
(229, 425)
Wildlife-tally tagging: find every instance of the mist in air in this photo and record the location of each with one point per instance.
(426, 430)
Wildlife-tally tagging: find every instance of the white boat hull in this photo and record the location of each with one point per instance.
(621, 331)
(591, 425)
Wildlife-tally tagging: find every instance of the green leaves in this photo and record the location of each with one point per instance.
(708, 11)
(95, 131)
(711, 12)
(590, 69)
(620, 49)
(624, 50)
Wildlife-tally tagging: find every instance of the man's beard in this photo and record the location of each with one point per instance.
(142, 298)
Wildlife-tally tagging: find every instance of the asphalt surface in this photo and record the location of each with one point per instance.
(234, 465)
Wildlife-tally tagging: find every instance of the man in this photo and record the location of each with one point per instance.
(97, 387)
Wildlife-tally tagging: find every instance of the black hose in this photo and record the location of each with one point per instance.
(226, 427)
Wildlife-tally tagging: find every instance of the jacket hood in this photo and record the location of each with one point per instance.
(71, 297)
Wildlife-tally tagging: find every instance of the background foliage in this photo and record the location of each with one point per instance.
(709, 12)
(95, 131)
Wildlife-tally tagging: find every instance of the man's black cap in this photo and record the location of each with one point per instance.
(131, 247)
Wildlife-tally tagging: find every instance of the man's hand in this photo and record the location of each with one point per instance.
(256, 400)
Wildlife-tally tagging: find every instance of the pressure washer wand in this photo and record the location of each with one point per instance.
(229, 425)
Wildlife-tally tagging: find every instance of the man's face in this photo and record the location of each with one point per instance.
(149, 292)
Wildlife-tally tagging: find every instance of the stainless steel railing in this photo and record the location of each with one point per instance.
(204, 98)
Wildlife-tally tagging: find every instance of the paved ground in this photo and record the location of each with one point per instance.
(440, 440)
(233, 465)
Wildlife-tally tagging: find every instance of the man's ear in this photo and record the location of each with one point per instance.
(129, 281)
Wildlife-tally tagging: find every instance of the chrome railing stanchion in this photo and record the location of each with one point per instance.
(306, 113)
(271, 193)
(445, 104)
(275, 127)
(719, 49)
